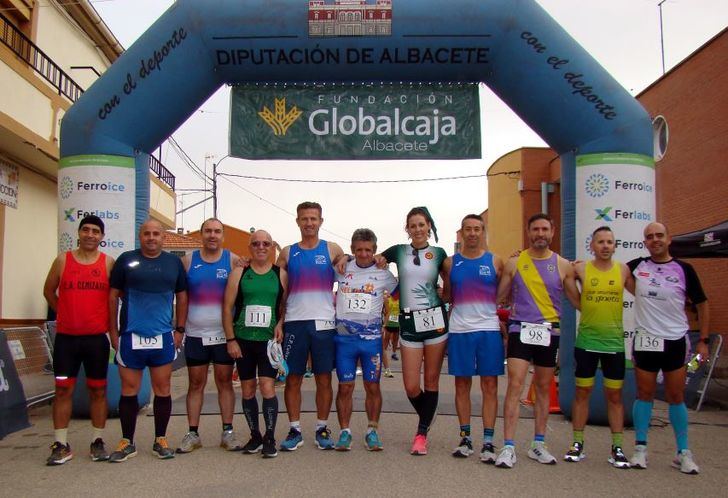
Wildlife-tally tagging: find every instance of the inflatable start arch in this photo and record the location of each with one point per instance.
(602, 134)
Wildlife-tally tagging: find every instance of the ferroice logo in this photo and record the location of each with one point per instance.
(597, 185)
(280, 120)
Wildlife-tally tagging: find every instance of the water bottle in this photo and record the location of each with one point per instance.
(694, 363)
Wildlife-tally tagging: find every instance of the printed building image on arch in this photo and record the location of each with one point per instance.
(350, 18)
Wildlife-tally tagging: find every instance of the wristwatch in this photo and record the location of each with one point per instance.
(179, 329)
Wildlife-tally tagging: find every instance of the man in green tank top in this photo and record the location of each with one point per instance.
(600, 340)
(253, 313)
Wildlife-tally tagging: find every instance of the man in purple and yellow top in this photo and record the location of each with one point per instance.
(600, 340)
(535, 279)
(310, 322)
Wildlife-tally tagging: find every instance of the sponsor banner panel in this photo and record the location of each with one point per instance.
(101, 185)
(355, 122)
(9, 184)
(616, 190)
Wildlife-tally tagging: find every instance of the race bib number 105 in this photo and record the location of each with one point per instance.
(143, 342)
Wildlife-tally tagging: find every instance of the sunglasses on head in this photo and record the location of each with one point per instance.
(416, 254)
(260, 243)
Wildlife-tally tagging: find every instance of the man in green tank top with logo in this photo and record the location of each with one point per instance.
(253, 314)
(600, 340)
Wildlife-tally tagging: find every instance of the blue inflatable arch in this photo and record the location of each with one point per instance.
(513, 46)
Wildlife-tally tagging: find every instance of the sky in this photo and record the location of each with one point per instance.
(622, 35)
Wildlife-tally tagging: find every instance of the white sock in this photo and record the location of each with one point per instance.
(346, 430)
(321, 424)
(98, 433)
(296, 425)
(61, 435)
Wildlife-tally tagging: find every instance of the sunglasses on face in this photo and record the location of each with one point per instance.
(260, 243)
(416, 254)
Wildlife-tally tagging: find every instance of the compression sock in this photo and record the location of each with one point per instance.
(641, 415)
(617, 439)
(679, 420)
(429, 410)
(270, 414)
(128, 409)
(488, 433)
(250, 410)
(162, 411)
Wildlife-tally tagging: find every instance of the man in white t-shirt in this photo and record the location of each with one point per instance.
(360, 307)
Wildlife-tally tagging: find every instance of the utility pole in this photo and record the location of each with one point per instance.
(214, 190)
(662, 38)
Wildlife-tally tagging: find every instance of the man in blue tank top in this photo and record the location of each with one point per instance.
(207, 274)
(475, 345)
(309, 322)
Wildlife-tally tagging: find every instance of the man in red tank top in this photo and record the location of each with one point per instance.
(77, 289)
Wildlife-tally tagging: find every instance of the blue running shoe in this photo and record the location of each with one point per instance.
(323, 439)
(373, 442)
(344, 442)
(293, 441)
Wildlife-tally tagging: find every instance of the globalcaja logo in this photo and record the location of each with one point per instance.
(281, 119)
(597, 185)
(66, 187)
(603, 214)
(65, 242)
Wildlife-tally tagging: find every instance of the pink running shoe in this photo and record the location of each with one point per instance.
(419, 445)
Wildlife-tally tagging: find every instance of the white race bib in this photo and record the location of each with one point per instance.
(429, 319)
(394, 318)
(325, 325)
(257, 316)
(353, 302)
(644, 341)
(142, 342)
(536, 334)
(213, 341)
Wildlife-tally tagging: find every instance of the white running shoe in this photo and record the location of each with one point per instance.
(507, 458)
(539, 453)
(639, 458)
(464, 449)
(684, 461)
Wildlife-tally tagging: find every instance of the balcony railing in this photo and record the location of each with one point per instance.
(161, 172)
(21, 45)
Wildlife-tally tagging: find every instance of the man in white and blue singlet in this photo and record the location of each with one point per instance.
(309, 322)
(207, 275)
(475, 345)
(360, 302)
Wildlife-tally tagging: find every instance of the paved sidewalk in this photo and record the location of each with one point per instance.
(393, 472)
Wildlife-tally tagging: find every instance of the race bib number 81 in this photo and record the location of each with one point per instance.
(427, 320)
(536, 334)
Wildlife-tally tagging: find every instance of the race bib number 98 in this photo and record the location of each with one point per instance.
(143, 342)
(536, 334)
(257, 316)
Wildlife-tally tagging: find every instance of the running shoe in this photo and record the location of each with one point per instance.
(190, 443)
(323, 439)
(293, 441)
(419, 445)
(98, 452)
(254, 445)
(308, 374)
(639, 458)
(373, 442)
(124, 450)
(539, 453)
(464, 449)
(344, 442)
(388, 373)
(269, 447)
(161, 448)
(359, 371)
(487, 453)
(575, 453)
(60, 454)
(395, 357)
(507, 458)
(230, 442)
(617, 458)
(684, 461)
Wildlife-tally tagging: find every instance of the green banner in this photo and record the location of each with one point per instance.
(355, 122)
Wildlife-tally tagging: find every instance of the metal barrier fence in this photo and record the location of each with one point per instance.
(33, 361)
